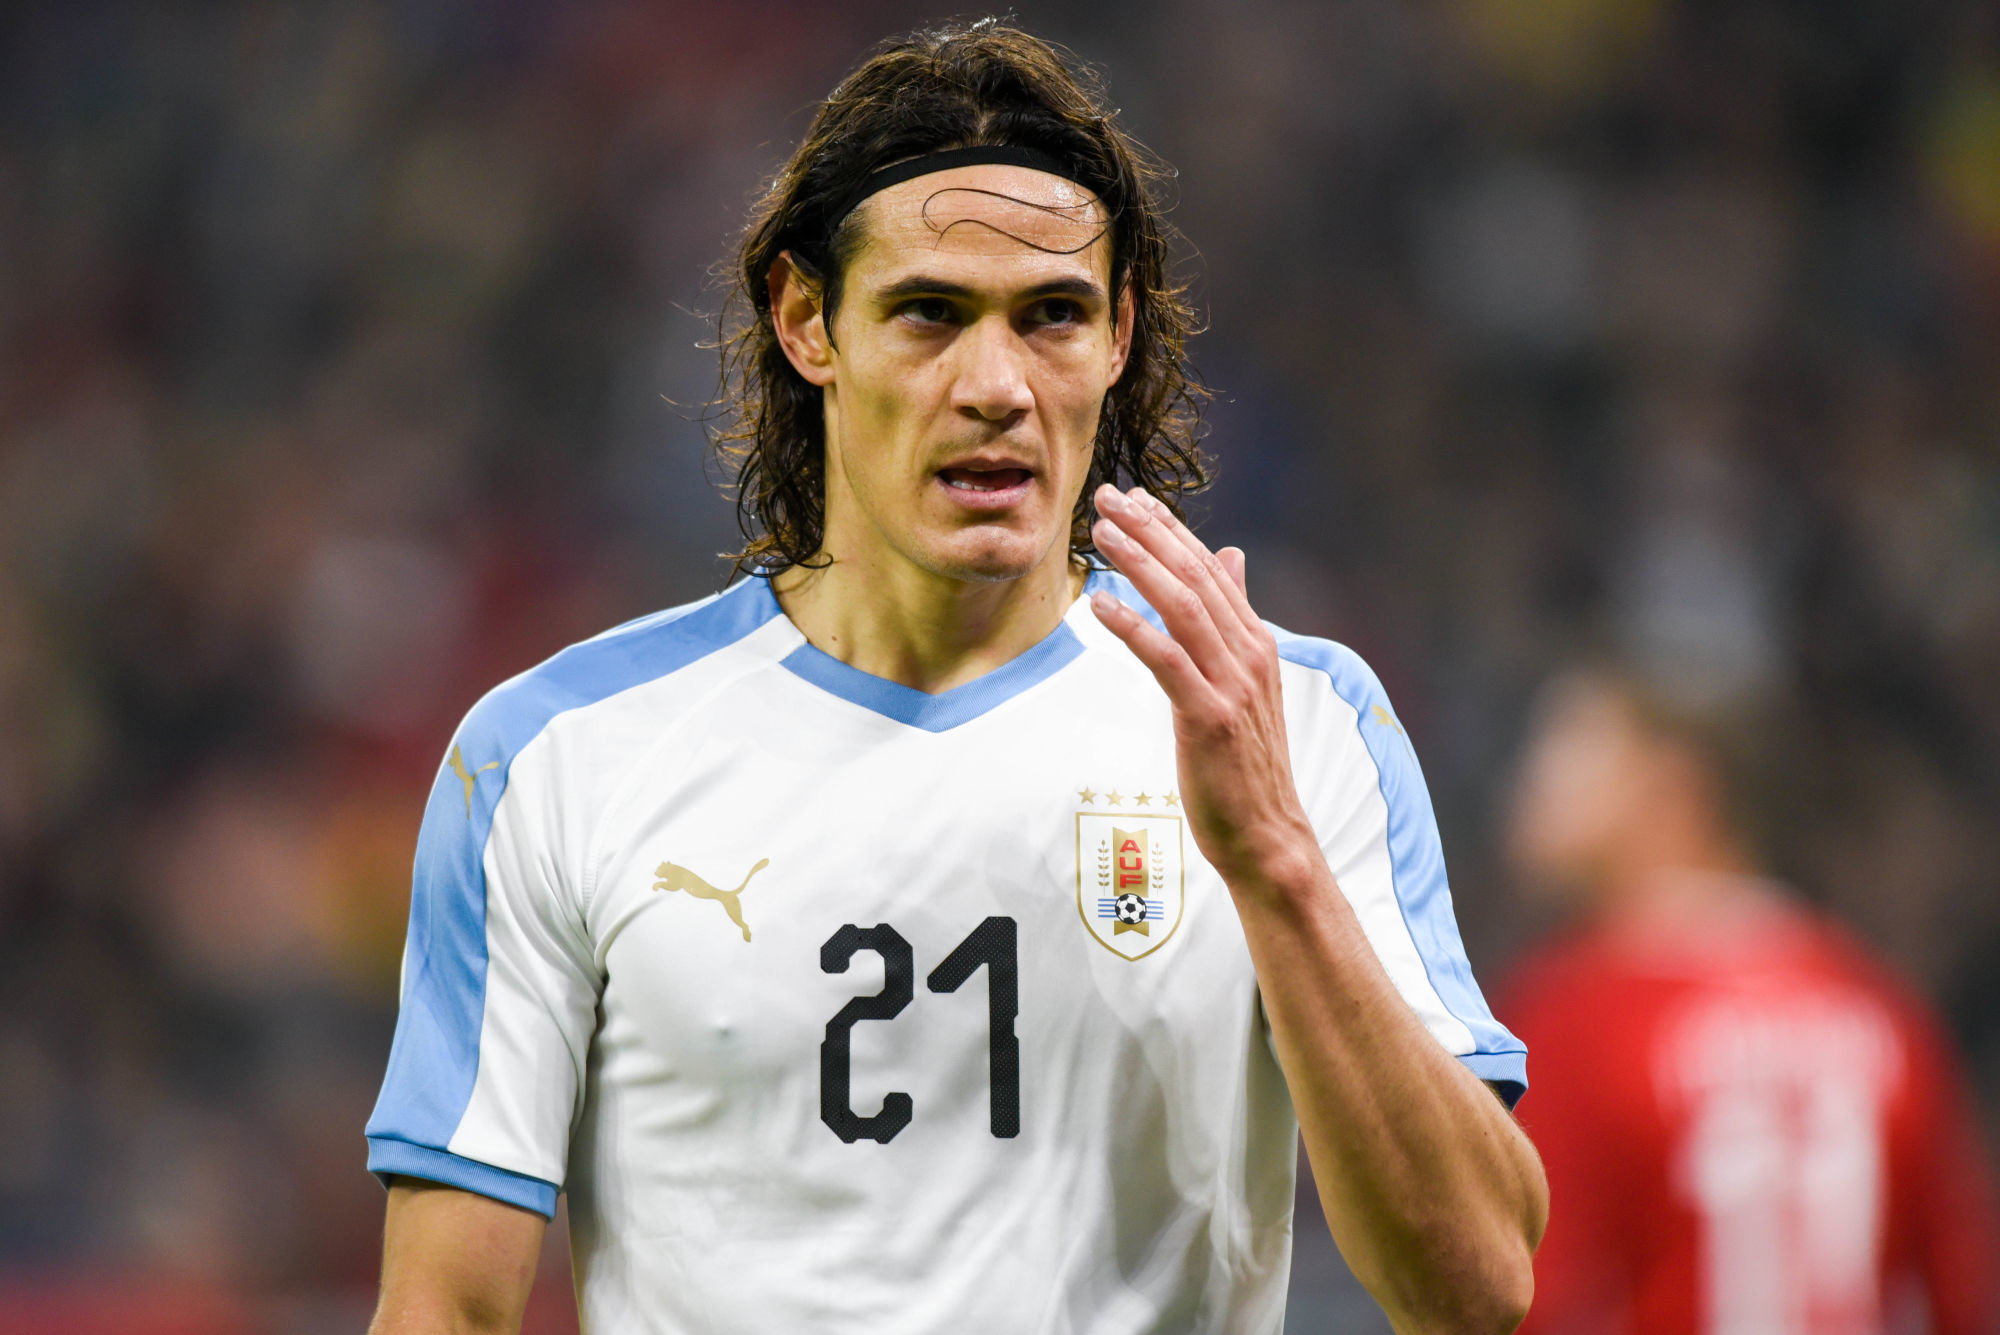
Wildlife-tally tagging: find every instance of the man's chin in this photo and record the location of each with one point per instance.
(983, 560)
(985, 572)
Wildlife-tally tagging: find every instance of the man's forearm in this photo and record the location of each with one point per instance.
(1434, 1195)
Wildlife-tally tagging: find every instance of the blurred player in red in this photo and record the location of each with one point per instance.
(1749, 1127)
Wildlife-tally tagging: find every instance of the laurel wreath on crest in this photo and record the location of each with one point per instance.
(1104, 862)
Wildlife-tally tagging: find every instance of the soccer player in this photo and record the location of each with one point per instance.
(1749, 1128)
(938, 930)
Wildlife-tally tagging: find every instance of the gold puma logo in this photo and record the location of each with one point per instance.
(680, 878)
(1386, 719)
(466, 776)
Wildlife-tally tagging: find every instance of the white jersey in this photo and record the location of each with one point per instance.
(840, 1007)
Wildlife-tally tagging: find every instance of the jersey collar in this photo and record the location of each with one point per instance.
(920, 709)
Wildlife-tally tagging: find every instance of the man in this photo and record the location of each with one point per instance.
(1749, 1128)
(935, 930)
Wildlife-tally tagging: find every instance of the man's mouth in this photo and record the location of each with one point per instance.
(985, 479)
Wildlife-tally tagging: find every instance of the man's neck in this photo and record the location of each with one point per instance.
(894, 620)
(1694, 888)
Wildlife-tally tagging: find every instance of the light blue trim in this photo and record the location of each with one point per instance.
(946, 709)
(434, 1059)
(1506, 1071)
(398, 1158)
(1416, 855)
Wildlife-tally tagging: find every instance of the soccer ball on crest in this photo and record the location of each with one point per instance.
(1131, 908)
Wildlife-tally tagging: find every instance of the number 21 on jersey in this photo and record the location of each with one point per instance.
(992, 944)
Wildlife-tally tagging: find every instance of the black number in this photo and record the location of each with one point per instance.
(898, 973)
(992, 944)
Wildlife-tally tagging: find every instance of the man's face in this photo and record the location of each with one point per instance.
(975, 340)
(1581, 791)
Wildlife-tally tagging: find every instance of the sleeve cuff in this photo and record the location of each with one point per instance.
(399, 1158)
(1505, 1071)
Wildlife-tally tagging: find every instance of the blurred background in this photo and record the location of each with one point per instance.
(350, 362)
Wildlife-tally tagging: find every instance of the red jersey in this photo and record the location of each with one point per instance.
(1753, 1133)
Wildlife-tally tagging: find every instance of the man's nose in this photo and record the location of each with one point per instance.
(992, 378)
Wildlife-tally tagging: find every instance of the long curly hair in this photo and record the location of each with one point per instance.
(987, 84)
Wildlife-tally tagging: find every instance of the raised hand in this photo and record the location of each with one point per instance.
(1218, 664)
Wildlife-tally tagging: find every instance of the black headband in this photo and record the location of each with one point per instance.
(1005, 155)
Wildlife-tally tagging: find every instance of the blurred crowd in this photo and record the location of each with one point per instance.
(351, 360)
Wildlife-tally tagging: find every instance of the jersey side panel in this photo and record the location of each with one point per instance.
(541, 983)
(1449, 1002)
(444, 1025)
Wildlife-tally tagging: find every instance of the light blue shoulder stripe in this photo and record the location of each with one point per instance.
(1416, 854)
(434, 1059)
(1416, 859)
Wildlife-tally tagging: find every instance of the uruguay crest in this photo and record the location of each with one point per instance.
(1130, 887)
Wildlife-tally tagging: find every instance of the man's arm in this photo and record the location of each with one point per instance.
(1434, 1195)
(454, 1263)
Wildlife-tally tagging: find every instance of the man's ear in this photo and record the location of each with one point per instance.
(1121, 332)
(799, 321)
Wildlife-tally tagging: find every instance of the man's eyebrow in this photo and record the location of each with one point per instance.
(919, 285)
(1083, 288)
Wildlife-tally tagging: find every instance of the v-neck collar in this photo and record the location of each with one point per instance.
(921, 709)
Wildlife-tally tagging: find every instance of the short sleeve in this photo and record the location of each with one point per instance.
(499, 987)
(1359, 778)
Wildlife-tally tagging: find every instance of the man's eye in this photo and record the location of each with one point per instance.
(928, 310)
(1057, 312)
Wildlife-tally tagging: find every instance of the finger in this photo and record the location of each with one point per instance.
(1230, 607)
(1188, 562)
(1182, 608)
(1166, 659)
(1229, 582)
(1232, 561)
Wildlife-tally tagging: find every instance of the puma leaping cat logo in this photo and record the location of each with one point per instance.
(680, 878)
(468, 777)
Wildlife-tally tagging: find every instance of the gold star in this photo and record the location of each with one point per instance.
(1173, 799)
(1088, 797)
(1143, 800)
(1113, 798)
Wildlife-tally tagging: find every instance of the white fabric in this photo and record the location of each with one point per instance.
(637, 1050)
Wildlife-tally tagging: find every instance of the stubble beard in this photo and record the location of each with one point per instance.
(985, 558)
